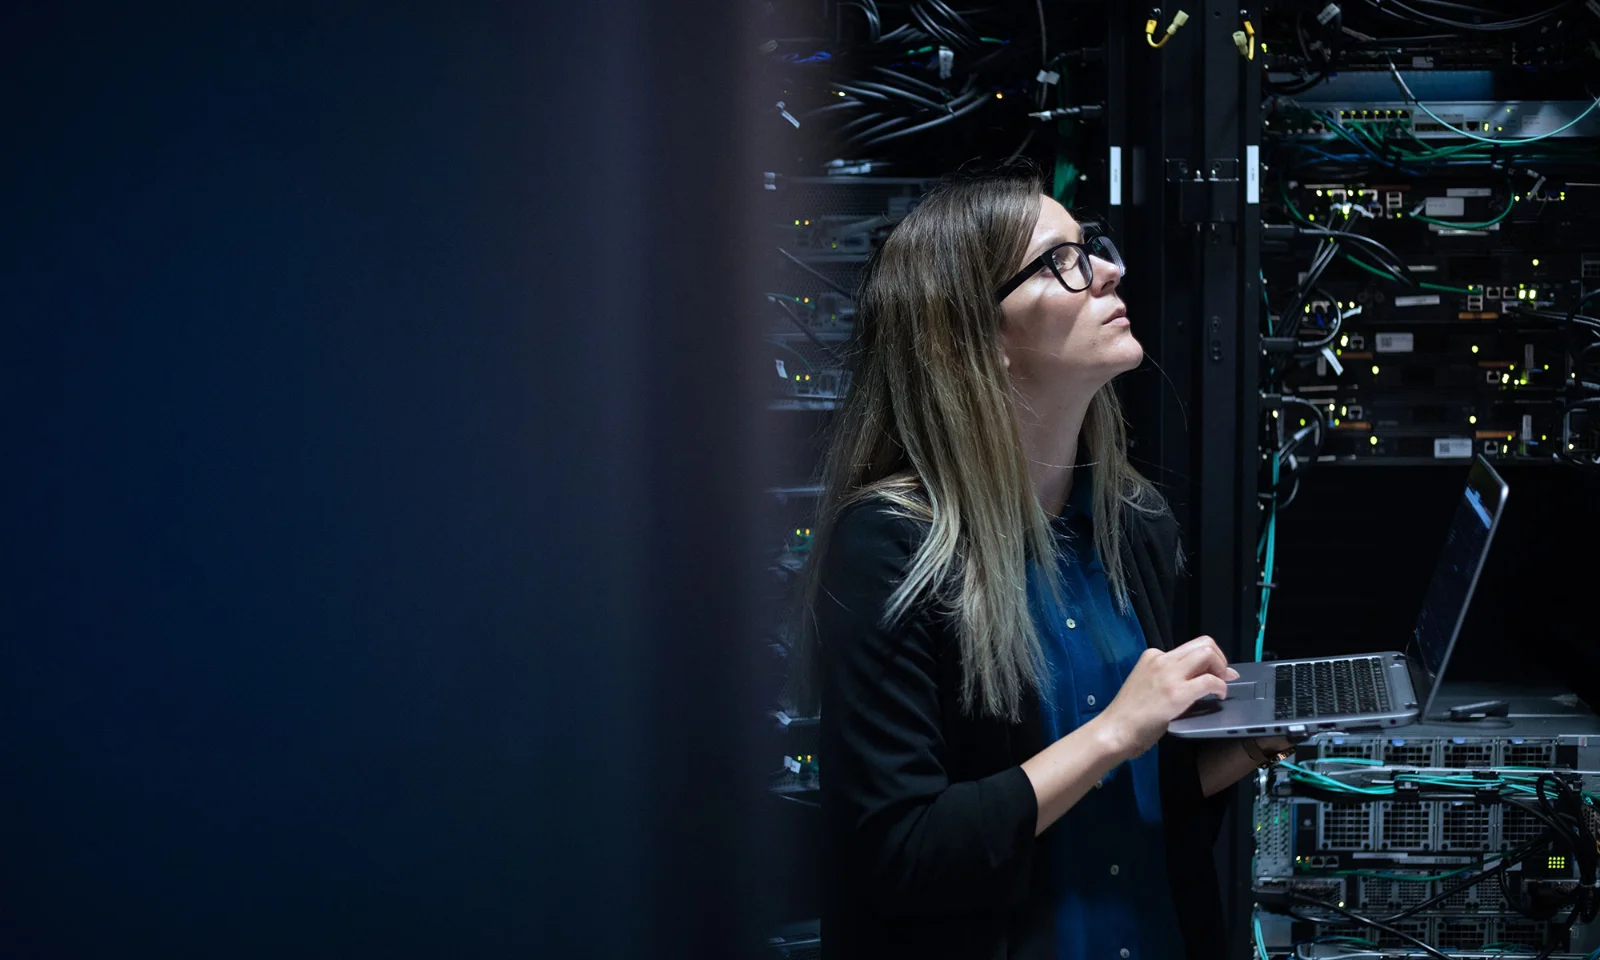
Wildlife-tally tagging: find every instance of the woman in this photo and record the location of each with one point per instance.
(990, 614)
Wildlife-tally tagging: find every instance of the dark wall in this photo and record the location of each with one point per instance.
(380, 481)
(1358, 545)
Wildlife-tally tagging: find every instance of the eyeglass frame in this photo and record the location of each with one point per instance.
(1047, 259)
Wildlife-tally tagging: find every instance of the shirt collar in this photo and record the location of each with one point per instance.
(1079, 507)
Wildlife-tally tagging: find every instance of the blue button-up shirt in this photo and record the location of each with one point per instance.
(1108, 857)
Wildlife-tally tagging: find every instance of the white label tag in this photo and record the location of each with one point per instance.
(1394, 343)
(1328, 13)
(947, 62)
(1444, 206)
(1452, 447)
(1048, 77)
(1252, 173)
(1333, 361)
(1420, 300)
(1116, 176)
(791, 764)
(1469, 192)
(782, 373)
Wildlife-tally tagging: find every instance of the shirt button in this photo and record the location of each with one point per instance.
(1090, 698)
(1115, 869)
(1072, 624)
(1123, 953)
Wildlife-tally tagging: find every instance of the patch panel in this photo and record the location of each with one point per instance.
(1503, 118)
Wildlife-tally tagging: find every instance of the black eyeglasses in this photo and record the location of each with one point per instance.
(1069, 262)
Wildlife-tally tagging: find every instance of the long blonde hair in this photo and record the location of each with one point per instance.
(931, 428)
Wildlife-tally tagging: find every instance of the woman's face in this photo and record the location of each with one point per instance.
(1053, 336)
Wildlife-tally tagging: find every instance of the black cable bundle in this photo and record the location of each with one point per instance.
(934, 67)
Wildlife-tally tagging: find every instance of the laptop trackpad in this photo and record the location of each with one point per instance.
(1243, 690)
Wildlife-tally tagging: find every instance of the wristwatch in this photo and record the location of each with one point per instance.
(1264, 760)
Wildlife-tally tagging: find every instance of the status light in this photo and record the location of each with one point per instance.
(1374, 369)
(1505, 378)
(1473, 419)
(1474, 348)
(1373, 441)
(1557, 863)
(1536, 261)
(1344, 341)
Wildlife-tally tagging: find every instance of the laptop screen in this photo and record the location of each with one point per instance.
(1444, 607)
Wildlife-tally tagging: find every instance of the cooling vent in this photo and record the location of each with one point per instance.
(1524, 933)
(1344, 826)
(1463, 826)
(1589, 266)
(1464, 754)
(1408, 753)
(1463, 900)
(1528, 753)
(1417, 928)
(1407, 826)
(1386, 893)
(1364, 748)
(1518, 827)
(1460, 934)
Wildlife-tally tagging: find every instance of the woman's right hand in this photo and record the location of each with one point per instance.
(1164, 684)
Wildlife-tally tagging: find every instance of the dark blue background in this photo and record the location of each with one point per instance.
(380, 480)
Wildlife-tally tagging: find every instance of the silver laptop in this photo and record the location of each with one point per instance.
(1371, 690)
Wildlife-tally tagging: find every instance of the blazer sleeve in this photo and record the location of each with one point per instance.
(912, 841)
(1161, 552)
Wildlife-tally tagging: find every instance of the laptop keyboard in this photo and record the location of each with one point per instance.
(1329, 688)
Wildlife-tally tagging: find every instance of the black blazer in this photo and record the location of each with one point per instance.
(928, 817)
